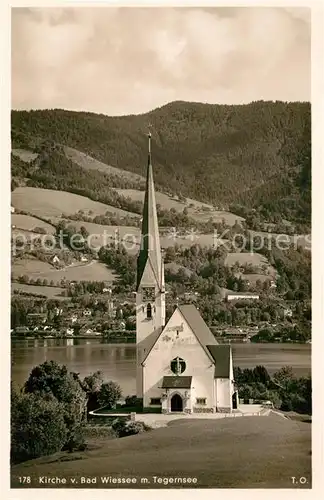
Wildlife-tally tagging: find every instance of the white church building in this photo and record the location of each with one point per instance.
(180, 365)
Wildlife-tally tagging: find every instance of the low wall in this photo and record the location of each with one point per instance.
(197, 409)
(224, 409)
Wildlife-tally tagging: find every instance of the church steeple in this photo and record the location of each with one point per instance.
(150, 293)
(150, 250)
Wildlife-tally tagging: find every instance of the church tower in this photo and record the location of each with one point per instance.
(150, 288)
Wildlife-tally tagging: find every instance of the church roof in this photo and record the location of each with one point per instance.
(176, 382)
(150, 250)
(197, 324)
(192, 316)
(148, 343)
(221, 354)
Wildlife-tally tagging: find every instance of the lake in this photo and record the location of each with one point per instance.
(117, 361)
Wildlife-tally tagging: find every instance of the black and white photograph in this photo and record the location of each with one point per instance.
(161, 247)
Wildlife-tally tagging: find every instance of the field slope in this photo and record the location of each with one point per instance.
(52, 203)
(246, 452)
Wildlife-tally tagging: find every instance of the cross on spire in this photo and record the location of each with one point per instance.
(178, 366)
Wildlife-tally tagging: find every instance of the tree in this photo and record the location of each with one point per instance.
(284, 377)
(275, 399)
(23, 279)
(261, 374)
(37, 426)
(93, 382)
(109, 394)
(53, 380)
(14, 184)
(92, 385)
(246, 392)
(84, 232)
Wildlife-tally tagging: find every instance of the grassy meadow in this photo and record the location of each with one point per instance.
(90, 271)
(246, 452)
(243, 258)
(51, 203)
(29, 223)
(197, 210)
(51, 292)
(90, 163)
(24, 154)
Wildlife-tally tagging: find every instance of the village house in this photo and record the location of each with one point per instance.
(111, 309)
(36, 318)
(180, 365)
(121, 325)
(21, 330)
(55, 260)
(191, 296)
(287, 312)
(230, 296)
(74, 318)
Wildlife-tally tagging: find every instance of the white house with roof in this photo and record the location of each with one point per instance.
(180, 365)
(241, 296)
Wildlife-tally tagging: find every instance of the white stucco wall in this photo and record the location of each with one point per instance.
(185, 345)
(224, 389)
(223, 393)
(145, 326)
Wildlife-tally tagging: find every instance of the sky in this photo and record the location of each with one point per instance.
(119, 61)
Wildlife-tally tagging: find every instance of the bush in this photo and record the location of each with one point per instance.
(294, 402)
(92, 385)
(274, 397)
(37, 427)
(109, 394)
(76, 439)
(133, 402)
(125, 428)
(99, 431)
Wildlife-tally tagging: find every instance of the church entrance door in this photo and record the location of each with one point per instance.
(234, 401)
(176, 403)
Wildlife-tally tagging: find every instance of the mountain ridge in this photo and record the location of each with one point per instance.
(250, 154)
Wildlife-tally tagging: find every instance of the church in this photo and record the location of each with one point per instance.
(180, 367)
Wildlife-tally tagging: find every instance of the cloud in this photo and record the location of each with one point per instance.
(130, 60)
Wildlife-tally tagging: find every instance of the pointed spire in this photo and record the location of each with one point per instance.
(150, 250)
(149, 145)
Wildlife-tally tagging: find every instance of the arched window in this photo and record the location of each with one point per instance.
(149, 311)
(178, 366)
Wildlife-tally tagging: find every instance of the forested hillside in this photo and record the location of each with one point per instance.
(254, 155)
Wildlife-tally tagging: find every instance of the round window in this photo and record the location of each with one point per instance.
(178, 366)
